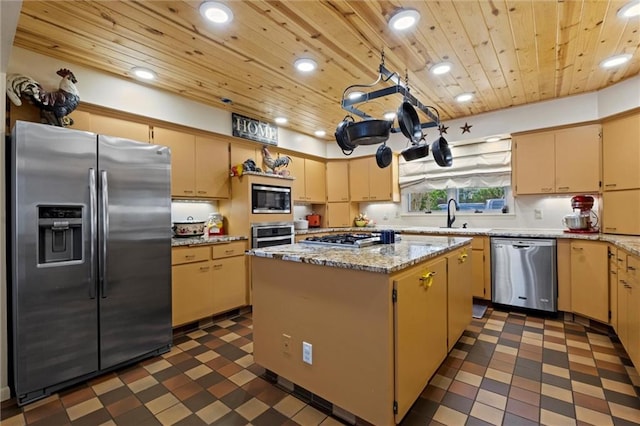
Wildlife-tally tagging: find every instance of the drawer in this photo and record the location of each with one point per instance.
(633, 268)
(180, 255)
(235, 248)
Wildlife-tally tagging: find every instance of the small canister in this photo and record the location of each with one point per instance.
(387, 236)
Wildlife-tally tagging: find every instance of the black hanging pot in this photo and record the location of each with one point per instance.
(441, 152)
(414, 152)
(368, 132)
(342, 138)
(409, 122)
(384, 156)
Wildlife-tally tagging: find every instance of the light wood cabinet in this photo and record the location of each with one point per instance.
(191, 289)
(339, 215)
(621, 212)
(559, 161)
(612, 254)
(628, 301)
(589, 280)
(481, 268)
(368, 182)
(420, 334)
(243, 152)
(310, 180)
(229, 276)
(199, 166)
(337, 181)
(621, 153)
(459, 294)
(121, 128)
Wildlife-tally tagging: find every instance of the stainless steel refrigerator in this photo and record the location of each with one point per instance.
(90, 248)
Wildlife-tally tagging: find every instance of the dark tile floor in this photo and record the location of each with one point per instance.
(508, 368)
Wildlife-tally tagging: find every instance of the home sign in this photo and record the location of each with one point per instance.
(255, 130)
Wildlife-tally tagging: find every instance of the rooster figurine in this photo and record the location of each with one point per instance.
(274, 163)
(54, 106)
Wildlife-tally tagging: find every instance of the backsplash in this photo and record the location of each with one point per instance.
(551, 208)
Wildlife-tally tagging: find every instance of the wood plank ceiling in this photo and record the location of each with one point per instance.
(504, 52)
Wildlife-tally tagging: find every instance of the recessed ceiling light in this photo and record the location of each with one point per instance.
(389, 115)
(144, 73)
(215, 12)
(320, 133)
(464, 97)
(614, 61)
(281, 120)
(404, 19)
(441, 68)
(355, 95)
(492, 139)
(305, 64)
(630, 10)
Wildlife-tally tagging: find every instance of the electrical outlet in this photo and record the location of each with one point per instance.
(538, 213)
(307, 353)
(286, 343)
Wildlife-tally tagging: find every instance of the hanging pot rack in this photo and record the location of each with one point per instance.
(399, 87)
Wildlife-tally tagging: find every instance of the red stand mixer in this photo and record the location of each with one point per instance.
(580, 221)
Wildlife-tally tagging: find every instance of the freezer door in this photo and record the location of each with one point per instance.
(53, 302)
(135, 249)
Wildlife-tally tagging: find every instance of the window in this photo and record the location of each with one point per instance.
(479, 180)
(470, 200)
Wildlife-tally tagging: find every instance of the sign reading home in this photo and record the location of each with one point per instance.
(255, 130)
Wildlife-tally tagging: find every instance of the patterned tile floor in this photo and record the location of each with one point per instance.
(508, 368)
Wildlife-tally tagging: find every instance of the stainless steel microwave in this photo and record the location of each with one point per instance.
(270, 199)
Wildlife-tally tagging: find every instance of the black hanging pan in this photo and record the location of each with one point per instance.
(415, 151)
(384, 156)
(368, 132)
(441, 152)
(342, 137)
(409, 122)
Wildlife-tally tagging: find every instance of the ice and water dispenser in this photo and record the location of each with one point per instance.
(59, 234)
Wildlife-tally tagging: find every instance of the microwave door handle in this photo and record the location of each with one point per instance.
(105, 233)
(93, 237)
(272, 189)
(280, 237)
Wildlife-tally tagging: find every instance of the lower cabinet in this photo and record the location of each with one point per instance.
(481, 268)
(621, 212)
(628, 329)
(207, 281)
(340, 214)
(459, 294)
(589, 279)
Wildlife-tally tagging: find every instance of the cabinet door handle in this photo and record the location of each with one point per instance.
(609, 228)
(609, 185)
(614, 273)
(218, 266)
(563, 188)
(204, 268)
(188, 191)
(462, 258)
(426, 279)
(229, 251)
(577, 248)
(202, 192)
(631, 268)
(189, 256)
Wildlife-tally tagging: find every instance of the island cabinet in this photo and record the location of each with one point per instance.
(337, 181)
(459, 294)
(374, 338)
(628, 302)
(558, 161)
(199, 165)
(368, 182)
(590, 279)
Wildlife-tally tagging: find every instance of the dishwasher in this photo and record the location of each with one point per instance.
(523, 273)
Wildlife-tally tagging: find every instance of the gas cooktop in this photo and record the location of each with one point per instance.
(350, 240)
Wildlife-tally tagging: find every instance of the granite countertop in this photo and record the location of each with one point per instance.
(203, 241)
(625, 242)
(381, 258)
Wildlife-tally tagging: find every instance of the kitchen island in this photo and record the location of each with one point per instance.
(362, 328)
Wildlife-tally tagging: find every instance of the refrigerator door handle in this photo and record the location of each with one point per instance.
(93, 224)
(105, 232)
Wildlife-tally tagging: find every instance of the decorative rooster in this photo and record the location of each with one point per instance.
(54, 106)
(274, 163)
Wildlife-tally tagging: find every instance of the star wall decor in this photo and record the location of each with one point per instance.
(466, 128)
(443, 129)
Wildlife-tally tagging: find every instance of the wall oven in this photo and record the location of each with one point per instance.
(271, 234)
(270, 199)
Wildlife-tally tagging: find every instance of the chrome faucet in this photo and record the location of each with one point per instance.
(451, 217)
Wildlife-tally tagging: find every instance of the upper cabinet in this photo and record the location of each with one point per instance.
(120, 128)
(337, 181)
(309, 185)
(368, 182)
(621, 153)
(199, 166)
(559, 161)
